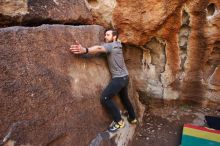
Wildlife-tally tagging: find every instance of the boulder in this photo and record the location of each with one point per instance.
(48, 96)
(36, 12)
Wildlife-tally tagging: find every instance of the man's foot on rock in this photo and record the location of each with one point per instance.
(116, 126)
(132, 121)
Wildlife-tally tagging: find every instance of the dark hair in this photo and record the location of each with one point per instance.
(114, 33)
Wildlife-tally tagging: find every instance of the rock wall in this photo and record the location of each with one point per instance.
(212, 57)
(48, 95)
(180, 46)
(36, 12)
(179, 39)
(45, 98)
(172, 51)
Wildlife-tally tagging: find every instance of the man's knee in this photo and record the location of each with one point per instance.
(104, 99)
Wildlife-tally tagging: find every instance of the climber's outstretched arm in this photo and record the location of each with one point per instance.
(78, 49)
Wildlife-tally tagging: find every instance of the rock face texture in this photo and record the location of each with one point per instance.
(172, 51)
(102, 11)
(212, 54)
(36, 12)
(40, 85)
(48, 95)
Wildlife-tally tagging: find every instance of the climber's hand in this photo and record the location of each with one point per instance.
(77, 49)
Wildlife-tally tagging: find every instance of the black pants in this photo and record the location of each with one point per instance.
(118, 85)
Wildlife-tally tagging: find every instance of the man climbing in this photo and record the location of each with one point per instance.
(119, 82)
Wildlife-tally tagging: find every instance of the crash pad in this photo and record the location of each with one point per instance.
(199, 136)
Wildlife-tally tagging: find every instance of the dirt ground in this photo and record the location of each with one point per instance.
(163, 122)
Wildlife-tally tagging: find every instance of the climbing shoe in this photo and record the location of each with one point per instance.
(132, 121)
(115, 126)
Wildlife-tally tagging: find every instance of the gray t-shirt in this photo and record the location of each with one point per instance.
(115, 59)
